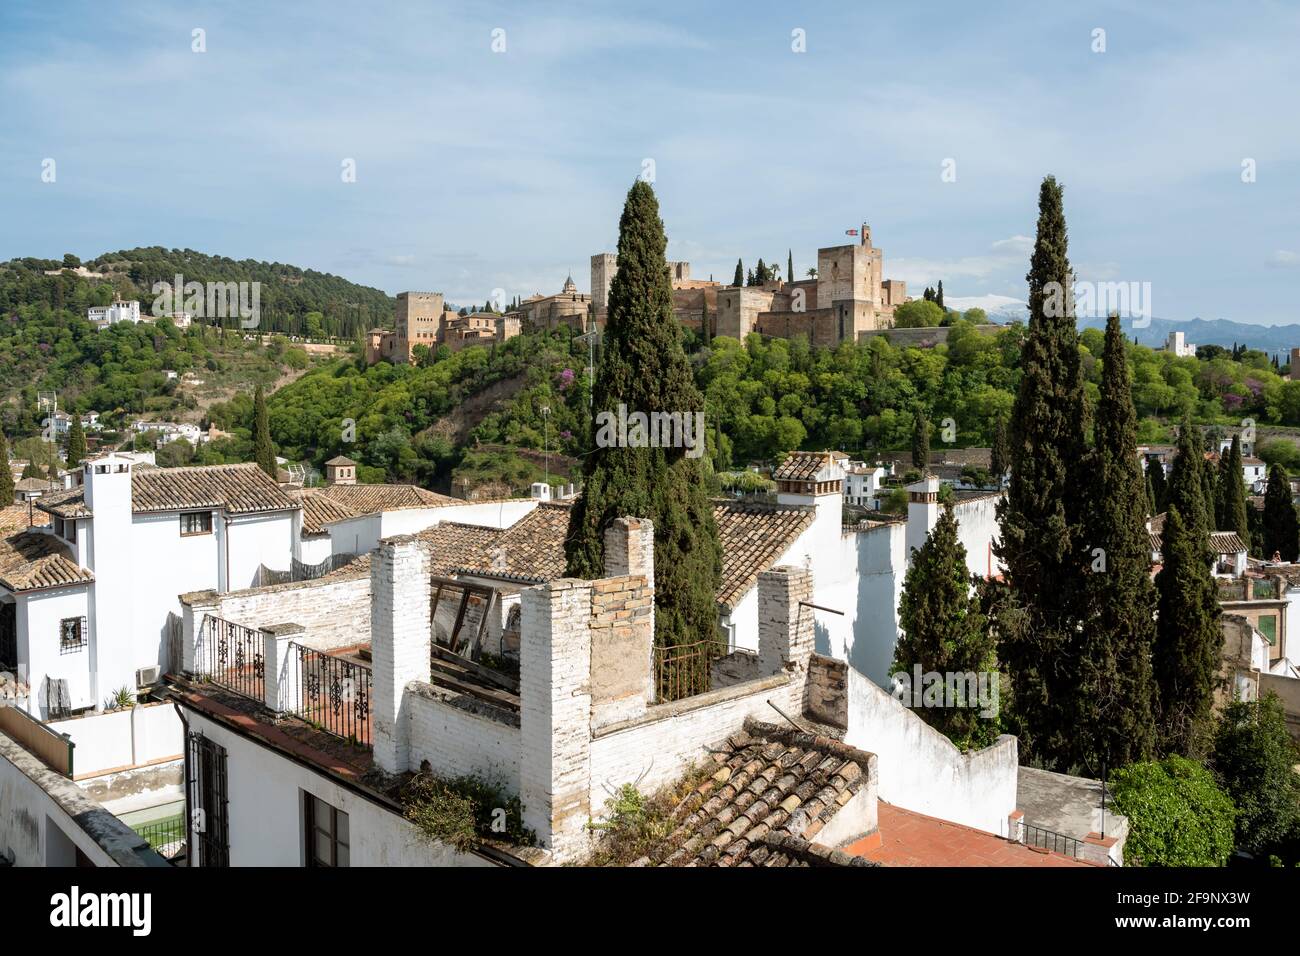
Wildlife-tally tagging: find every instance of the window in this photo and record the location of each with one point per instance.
(72, 635)
(326, 833)
(206, 802)
(1268, 627)
(196, 522)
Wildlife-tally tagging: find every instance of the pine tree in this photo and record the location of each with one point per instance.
(789, 265)
(739, 280)
(1159, 487)
(642, 365)
(1232, 494)
(1114, 715)
(920, 442)
(6, 476)
(76, 443)
(263, 450)
(943, 630)
(1000, 454)
(1281, 527)
(1189, 641)
(1040, 515)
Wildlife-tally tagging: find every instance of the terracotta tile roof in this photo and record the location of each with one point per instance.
(65, 504)
(803, 466)
(532, 549)
(340, 460)
(15, 518)
(372, 499)
(774, 790)
(318, 509)
(753, 538)
(37, 559)
(36, 484)
(1157, 523)
(453, 545)
(1221, 542)
(238, 489)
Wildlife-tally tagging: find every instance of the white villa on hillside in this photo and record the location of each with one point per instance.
(119, 311)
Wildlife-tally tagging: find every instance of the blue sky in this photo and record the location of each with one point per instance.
(479, 170)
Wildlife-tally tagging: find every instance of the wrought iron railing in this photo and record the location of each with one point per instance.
(163, 833)
(1051, 840)
(333, 693)
(684, 670)
(234, 657)
(302, 572)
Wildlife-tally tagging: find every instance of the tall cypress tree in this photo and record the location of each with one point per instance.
(6, 476)
(943, 630)
(1040, 515)
(642, 365)
(1186, 487)
(1159, 486)
(938, 295)
(1115, 712)
(1189, 641)
(1232, 494)
(920, 441)
(789, 265)
(739, 280)
(1281, 528)
(263, 450)
(76, 443)
(1000, 453)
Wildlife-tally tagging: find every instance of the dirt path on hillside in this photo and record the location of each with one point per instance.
(463, 419)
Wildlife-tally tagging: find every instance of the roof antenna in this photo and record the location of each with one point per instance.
(787, 717)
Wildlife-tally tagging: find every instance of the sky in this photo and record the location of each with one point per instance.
(479, 168)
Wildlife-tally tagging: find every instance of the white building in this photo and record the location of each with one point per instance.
(862, 483)
(95, 594)
(105, 315)
(1176, 344)
(587, 715)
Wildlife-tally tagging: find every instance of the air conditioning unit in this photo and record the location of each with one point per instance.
(148, 676)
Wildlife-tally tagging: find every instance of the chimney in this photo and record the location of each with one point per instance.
(109, 554)
(922, 512)
(785, 626)
(555, 714)
(400, 639)
(541, 491)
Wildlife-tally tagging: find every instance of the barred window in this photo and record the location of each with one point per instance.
(196, 522)
(72, 634)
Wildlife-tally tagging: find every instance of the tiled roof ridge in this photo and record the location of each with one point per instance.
(803, 738)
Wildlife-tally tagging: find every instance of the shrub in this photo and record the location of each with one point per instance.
(463, 810)
(1253, 760)
(1178, 815)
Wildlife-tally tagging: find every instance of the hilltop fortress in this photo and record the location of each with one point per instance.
(848, 299)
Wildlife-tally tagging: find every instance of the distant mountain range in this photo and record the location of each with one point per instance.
(1224, 332)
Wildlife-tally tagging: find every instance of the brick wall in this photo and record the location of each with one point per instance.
(334, 612)
(828, 690)
(460, 735)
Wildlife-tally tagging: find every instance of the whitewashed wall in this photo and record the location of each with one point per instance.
(37, 618)
(254, 541)
(266, 812)
(921, 770)
(120, 739)
(456, 741)
(334, 611)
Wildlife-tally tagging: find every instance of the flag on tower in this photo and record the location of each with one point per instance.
(850, 232)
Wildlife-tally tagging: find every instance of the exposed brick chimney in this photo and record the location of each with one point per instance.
(400, 639)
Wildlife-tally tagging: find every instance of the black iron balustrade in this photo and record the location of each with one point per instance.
(1051, 840)
(334, 693)
(234, 658)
